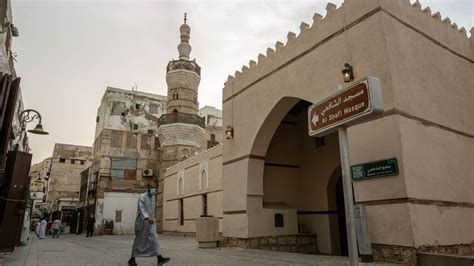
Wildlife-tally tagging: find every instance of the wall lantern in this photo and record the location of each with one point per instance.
(347, 73)
(229, 133)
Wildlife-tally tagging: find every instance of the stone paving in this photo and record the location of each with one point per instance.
(115, 250)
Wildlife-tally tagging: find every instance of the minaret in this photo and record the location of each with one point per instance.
(180, 131)
(183, 77)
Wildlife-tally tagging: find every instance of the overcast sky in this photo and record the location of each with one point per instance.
(68, 51)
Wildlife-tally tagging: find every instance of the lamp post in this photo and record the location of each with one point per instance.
(29, 115)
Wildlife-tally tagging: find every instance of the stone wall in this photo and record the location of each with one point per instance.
(291, 243)
(409, 255)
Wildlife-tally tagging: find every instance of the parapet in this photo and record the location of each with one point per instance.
(430, 24)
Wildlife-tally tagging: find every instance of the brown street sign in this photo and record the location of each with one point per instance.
(349, 106)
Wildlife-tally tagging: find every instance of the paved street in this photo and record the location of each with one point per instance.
(115, 250)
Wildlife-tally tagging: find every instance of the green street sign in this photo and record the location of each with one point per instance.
(380, 168)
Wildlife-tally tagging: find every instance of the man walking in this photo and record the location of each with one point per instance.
(42, 229)
(146, 240)
(90, 225)
(56, 226)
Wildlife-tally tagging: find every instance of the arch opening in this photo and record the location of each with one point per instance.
(300, 178)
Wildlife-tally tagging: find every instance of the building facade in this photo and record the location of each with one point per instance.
(67, 163)
(213, 122)
(126, 157)
(39, 174)
(273, 171)
(193, 188)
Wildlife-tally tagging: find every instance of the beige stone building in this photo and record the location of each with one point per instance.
(39, 173)
(193, 188)
(282, 189)
(272, 166)
(67, 163)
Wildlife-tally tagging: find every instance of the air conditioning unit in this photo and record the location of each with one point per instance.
(147, 172)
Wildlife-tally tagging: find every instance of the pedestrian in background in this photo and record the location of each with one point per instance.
(56, 226)
(90, 225)
(146, 240)
(42, 229)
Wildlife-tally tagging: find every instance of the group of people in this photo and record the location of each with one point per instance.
(42, 228)
(146, 239)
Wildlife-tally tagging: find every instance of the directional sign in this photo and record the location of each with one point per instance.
(349, 106)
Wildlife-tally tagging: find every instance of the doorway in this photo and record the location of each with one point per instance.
(298, 176)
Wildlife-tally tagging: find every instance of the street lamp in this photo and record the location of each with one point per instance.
(29, 115)
(347, 73)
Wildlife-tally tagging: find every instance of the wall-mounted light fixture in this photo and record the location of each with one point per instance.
(347, 73)
(229, 133)
(13, 28)
(29, 115)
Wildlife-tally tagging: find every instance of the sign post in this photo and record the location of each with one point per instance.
(346, 107)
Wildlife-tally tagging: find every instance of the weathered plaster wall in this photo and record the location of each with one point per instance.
(426, 69)
(193, 172)
(68, 162)
(151, 107)
(125, 202)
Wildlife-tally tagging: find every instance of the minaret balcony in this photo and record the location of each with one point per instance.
(176, 117)
(185, 65)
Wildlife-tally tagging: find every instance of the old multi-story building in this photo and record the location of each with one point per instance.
(39, 174)
(67, 163)
(126, 156)
(213, 122)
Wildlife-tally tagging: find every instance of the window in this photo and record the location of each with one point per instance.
(118, 108)
(319, 142)
(124, 169)
(62, 160)
(137, 106)
(279, 220)
(146, 142)
(204, 180)
(151, 131)
(180, 187)
(135, 127)
(181, 212)
(153, 108)
(97, 119)
(73, 161)
(204, 205)
(116, 141)
(118, 216)
(131, 141)
(213, 137)
(157, 143)
(82, 162)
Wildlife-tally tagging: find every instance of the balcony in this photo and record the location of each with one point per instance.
(184, 64)
(183, 118)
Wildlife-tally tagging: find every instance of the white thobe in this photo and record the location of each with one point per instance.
(42, 231)
(146, 240)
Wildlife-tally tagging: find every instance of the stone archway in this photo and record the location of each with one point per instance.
(291, 174)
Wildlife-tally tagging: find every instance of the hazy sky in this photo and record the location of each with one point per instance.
(70, 51)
